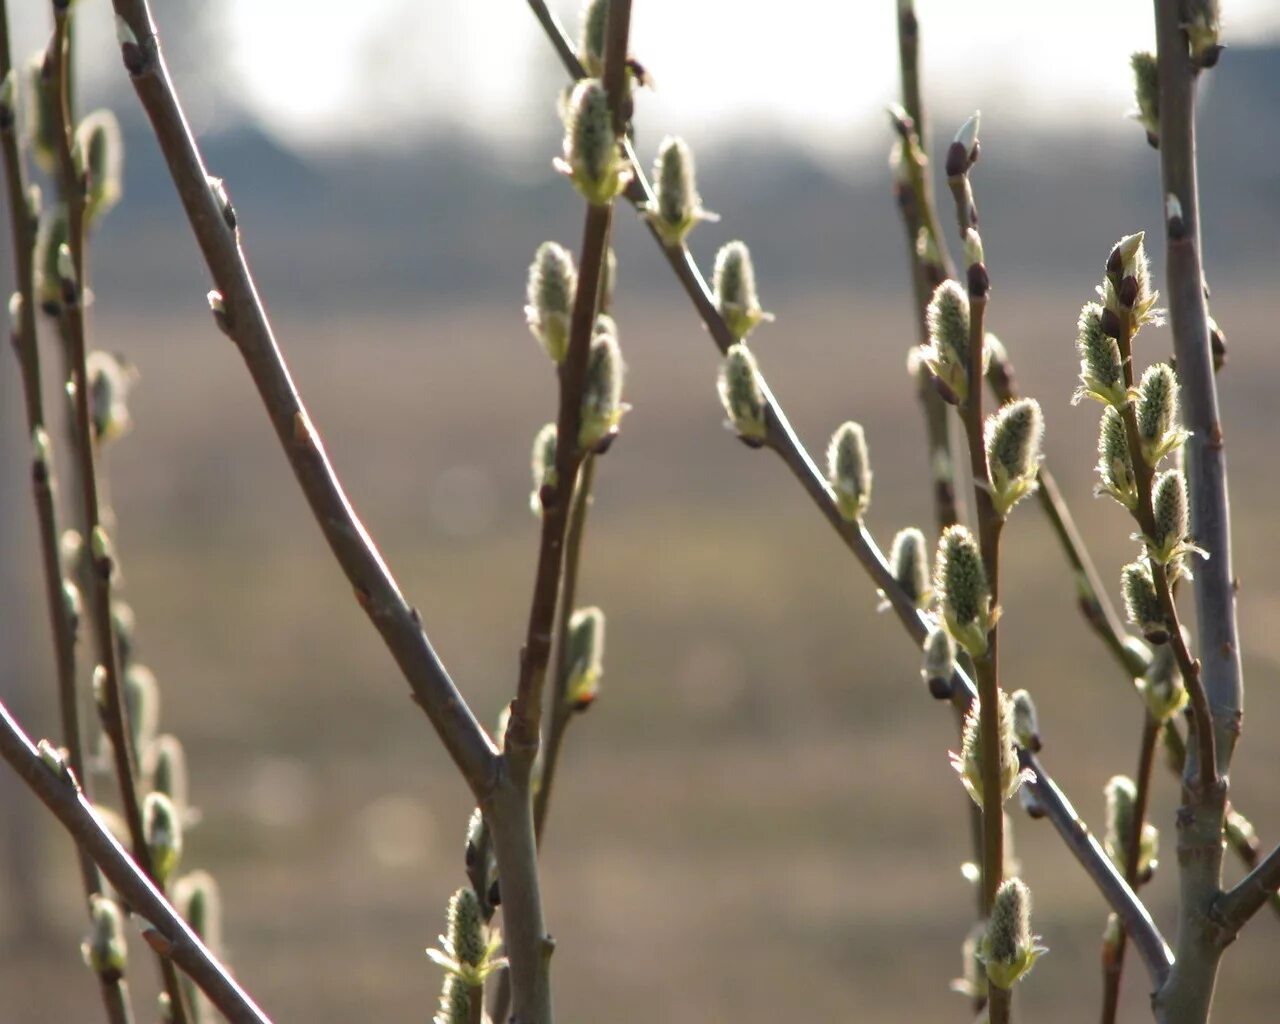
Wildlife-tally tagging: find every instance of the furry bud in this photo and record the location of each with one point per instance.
(109, 383)
(1203, 27)
(51, 237)
(466, 928)
(1127, 286)
(602, 405)
(849, 470)
(585, 657)
(909, 561)
(1026, 725)
(1161, 685)
(142, 703)
(677, 210)
(163, 828)
(734, 284)
(41, 114)
(939, 662)
(8, 96)
(165, 766)
(1101, 373)
(543, 464)
(1010, 949)
(1115, 467)
(592, 159)
(960, 582)
(99, 141)
(552, 287)
(1013, 436)
(1141, 604)
(1157, 413)
(1169, 507)
(1146, 91)
(741, 395)
(197, 899)
(1122, 796)
(105, 950)
(973, 983)
(968, 762)
(455, 1000)
(592, 35)
(947, 354)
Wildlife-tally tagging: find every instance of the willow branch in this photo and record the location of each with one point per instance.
(244, 319)
(781, 438)
(168, 933)
(1188, 995)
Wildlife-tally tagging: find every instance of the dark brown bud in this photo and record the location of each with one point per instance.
(1110, 323)
(1128, 291)
(979, 280)
(957, 160)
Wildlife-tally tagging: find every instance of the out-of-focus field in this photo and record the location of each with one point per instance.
(757, 821)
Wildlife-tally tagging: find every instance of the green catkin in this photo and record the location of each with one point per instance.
(163, 829)
(586, 657)
(909, 561)
(733, 283)
(105, 950)
(602, 405)
(1141, 604)
(1101, 372)
(1010, 949)
(677, 209)
(741, 394)
(1169, 507)
(960, 583)
(550, 291)
(1146, 91)
(1013, 436)
(543, 465)
(592, 35)
(849, 470)
(1115, 465)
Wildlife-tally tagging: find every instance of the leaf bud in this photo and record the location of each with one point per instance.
(1026, 725)
(543, 463)
(733, 283)
(909, 562)
(677, 209)
(947, 354)
(964, 149)
(163, 829)
(1010, 950)
(849, 470)
(218, 307)
(99, 141)
(960, 582)
(973, 983)
(742, 396)
(1146, 91)
(1122, 796)
(1013, 436)
(585, 657)
(551, 290)
(602, 405)
(939, 663)
(105, 950)
(592, 159)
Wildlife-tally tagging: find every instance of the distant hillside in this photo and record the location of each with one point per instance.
(454, 219)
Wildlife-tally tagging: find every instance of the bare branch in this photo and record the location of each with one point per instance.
(245, 320)
(1235, 907)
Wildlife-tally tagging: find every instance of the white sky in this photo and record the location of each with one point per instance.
(326, 72)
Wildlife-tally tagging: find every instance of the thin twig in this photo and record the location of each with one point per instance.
(114, 712)
(561, 712)
(168, 933)
(1114, 963)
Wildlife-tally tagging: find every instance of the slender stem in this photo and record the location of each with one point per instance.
(561, 713)
(168, 933)
(114, 712)
(1114, 963)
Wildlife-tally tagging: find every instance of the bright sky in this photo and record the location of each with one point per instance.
(819, 70)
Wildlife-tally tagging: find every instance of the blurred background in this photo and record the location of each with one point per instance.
(757, 819)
